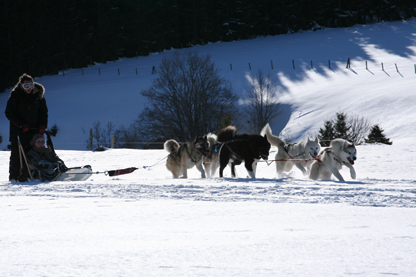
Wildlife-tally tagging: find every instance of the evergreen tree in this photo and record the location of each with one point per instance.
(353, 129)
(73, 33)
(376, 135)
(327, 134)
(341, 130)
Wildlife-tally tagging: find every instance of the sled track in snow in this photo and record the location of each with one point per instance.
(368, 192)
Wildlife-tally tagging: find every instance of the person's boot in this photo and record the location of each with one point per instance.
(22, 178)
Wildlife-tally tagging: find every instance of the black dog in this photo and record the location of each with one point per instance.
(239, 148)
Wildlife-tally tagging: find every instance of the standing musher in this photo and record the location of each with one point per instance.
(28, 114)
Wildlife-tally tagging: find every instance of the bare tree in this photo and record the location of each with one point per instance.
(261, 100)
(359, 129)
(188, 98)
(102, 135)
(129, 137)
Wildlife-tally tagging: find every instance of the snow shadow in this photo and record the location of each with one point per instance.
(325, 52)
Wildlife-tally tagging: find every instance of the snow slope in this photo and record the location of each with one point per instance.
(311, 96)
(148, 224)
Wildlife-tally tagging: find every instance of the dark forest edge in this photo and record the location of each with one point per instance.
(46, 36)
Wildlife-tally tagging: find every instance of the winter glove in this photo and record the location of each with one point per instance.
(62, 167)
(42, 129)
(25, 128)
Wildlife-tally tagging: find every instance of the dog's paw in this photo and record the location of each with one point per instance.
(353, 174)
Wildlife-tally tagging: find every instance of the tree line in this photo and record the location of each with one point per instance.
(45, 36)
(351, 128)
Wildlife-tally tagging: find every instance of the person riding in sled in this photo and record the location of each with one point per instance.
(44, 159)
(28, 114)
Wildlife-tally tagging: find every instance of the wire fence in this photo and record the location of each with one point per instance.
(245, 66)
(237, 66)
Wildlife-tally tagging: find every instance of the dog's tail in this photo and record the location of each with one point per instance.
(212, 139)
(227, 133)
(171, 145)
(274, 140)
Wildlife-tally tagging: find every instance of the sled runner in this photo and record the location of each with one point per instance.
(75, 174)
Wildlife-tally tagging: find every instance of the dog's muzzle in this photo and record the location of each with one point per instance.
(264, 157)
(351, 160)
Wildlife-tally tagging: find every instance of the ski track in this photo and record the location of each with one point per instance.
(366, 192)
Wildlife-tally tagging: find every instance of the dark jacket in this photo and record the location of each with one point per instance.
(23, 108)
(46, 161)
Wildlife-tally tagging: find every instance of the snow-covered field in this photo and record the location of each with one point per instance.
(148, 224)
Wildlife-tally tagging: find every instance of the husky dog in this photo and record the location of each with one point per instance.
(305, 150)
(185, 156)
(340, 152)
(211, 162)
(239, 148)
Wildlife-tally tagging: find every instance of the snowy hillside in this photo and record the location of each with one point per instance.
(311, 95)
(148, 224)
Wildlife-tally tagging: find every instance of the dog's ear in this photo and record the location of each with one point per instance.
(346, 144)
(317, 140)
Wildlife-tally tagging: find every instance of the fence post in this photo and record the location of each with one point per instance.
(348, 63)
(382, 66)
(90, 146)
(366, 66)
(396, 67)
(118, 69)
(329, 64)
(113, 140)
(271, 63)
(311, 65)
(231, 66)
(153, 70)
(249, 65)
(293, 62)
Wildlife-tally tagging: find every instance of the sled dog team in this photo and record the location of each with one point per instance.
(210, 152)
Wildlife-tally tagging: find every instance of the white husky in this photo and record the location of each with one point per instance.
(303, 151)
(340, 152)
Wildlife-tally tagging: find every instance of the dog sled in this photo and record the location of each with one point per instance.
(60, 172)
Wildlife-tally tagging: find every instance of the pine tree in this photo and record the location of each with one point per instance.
(341, 128)
(327, 134)
(376, 135)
